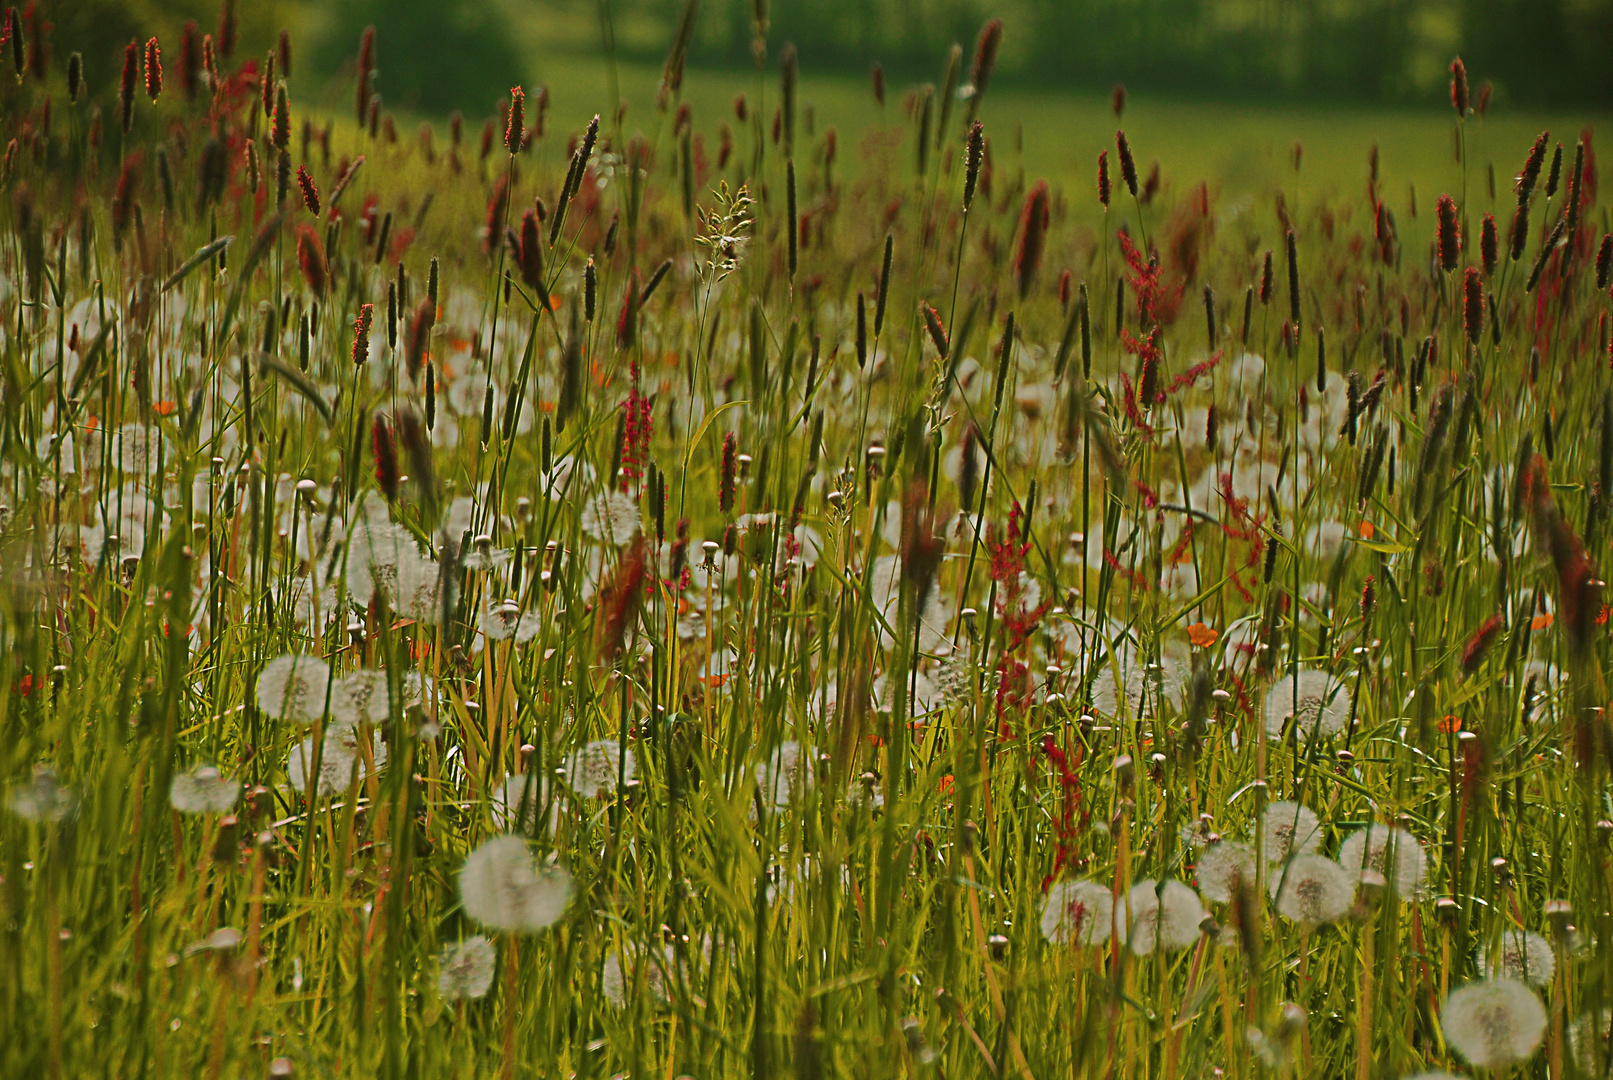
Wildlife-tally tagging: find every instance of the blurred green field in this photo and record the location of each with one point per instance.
(1240, 149)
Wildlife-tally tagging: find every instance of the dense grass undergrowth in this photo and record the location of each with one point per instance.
(736, 598)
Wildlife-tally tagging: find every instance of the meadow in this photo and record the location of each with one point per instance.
(795, 577)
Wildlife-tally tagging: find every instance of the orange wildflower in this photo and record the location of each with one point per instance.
(1201, 635)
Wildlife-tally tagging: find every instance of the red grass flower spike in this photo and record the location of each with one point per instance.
(1450, 236)
(310, 194)
(515, 124)
(361, 333)
(1033, 222)
(153, 69)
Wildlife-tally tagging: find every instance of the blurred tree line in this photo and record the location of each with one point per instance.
(439, 55)
(1538, 52)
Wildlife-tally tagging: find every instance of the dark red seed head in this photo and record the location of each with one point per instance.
(226, 29)
(1450, 237)
(386, 458)
(530, 253)
(1033, 222)
(310, 194)
(361, 333)
(515, 123)
(1105, 186)
(1604, 261)
(1459, 97)
(311, 260)
(1128, 165)
(1266, 284)
(1525, 185)
(1473, 304)
(1117, 99)
(991, 40)
(190, 59)
(730, 465)
(1489, 244)
(131, 72)
(153, 69)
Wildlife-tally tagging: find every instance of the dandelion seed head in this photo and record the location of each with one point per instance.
(1392, 852)
(465, 968)
(292, 688)
(502, 887)
(777, 777)
(1290, 829)
(1312, 890)
(1495, 1023)
(359, 697)
(1323, 704)
(611, 518)
(203, 790)
(1078, 913)
(1524, 956)
(594, 769)
(42, 798)
(1222, 866)
(335, 767)
(1162, 916)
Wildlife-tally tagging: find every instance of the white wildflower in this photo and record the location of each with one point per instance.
(335, 767)
(359, 697)
(465, 968)
(778, 777)
(1163, 915)
(1392, 852)
(503, 888)
(594, 770)
(1323, 704)
(292, 687)
(1312, 890)
(1222, 866)
(1495, 1023)
(1078, 913)
(42, 798)
(1524, 956)
(612, 518)
(1290, 829)
(203, 790)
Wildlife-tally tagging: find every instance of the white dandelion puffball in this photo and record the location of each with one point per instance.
(612, 518)
(503, 888)
(1078, 913)
(292, 687)
(1392, 852)
(42, 799)
(465, 968)
(615, 978)
(1323, 704)
(1162, 916)
(1222, 866)
(777, 777)
(1312, 890)
(507, 803)
(1524, 956)
(335, 767)
(1290, 829)
(594, 770)
(203, 790)
(1494, 1023)
(359, 697)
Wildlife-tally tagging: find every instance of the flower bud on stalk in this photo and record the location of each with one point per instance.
(1128, 166)
(153, 69)
(515, 123)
